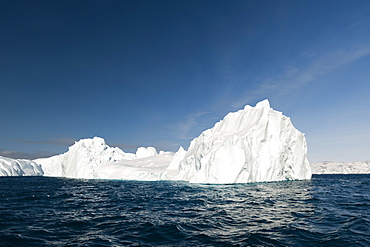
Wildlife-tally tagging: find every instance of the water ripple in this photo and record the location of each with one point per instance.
(329, 210)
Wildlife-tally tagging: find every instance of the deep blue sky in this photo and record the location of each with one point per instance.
(157, 73)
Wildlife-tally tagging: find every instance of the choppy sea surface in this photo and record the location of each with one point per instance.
(329, 210)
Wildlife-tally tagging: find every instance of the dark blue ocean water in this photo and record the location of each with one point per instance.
(329, 210)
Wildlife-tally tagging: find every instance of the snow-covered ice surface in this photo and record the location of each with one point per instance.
(19, 167)
(150, 168)
(341, 167)
(252, 145)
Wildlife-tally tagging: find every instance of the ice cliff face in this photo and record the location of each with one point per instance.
(252, 145)
(83, 159)
(19, 167)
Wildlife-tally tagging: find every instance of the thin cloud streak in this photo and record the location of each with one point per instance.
(24, 155)
(182, 128)
(62, 141)
(294, 78)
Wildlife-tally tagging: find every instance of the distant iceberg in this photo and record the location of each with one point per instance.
(19, 167)
(255, 144)
(328, 167)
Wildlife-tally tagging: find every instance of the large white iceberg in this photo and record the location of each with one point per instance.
(252, 145)
(19, 167)
(328, 167)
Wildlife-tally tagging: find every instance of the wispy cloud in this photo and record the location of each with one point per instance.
(293, 78)
(24, 155)
(183, 127)
(62, 141)
(167, 145)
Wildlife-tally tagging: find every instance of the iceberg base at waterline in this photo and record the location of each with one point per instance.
(255, 144)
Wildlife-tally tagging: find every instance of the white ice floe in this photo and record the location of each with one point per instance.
(19, 167)
(341, 167)
(252, 145)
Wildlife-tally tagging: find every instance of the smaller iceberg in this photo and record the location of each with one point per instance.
(94, 159)
(83, 159)
(328, 167)
(19, 167)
